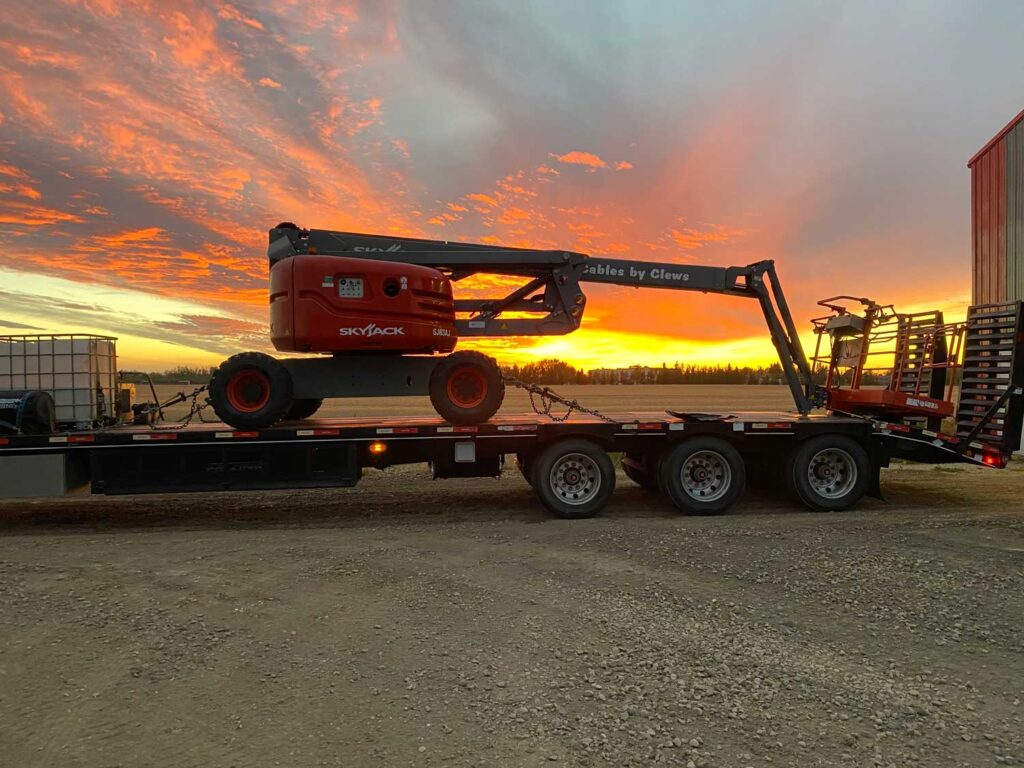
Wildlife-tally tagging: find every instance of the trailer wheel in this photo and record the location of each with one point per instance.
(466, 388)
(574, 478)
(640, 468)
(251, 390)
(703, 475)
(302, 409)
(829, 473)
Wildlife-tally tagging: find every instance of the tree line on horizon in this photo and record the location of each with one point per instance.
(560, 372)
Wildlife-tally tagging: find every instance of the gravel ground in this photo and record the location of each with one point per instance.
(418, 623)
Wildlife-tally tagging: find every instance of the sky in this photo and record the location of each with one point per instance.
(147, 146)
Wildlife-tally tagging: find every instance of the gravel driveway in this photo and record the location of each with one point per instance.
(418, 623)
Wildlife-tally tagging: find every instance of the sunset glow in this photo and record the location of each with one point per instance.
(145, 149)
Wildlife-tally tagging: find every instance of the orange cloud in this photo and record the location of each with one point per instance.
(22, 190)
(481, 198)
(192, 38)
(267, 82)
(231, 13)
(26, 215)
(576, 157)
(35, 56)
(691, 238)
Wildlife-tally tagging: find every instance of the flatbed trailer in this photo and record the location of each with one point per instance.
(700, 461)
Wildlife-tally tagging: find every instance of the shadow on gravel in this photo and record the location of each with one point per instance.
(378, 501)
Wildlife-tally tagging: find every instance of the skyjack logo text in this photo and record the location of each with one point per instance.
(373, 330)
(368, 248)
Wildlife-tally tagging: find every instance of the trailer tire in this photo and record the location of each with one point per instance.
(829, 473)
(466, 388)
(640, 468)
(574, 478)
(251, 390)
(302, 409)
(703, 475)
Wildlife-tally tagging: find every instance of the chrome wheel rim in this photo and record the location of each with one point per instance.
(832, 473)
(705, 476)
(575, 479)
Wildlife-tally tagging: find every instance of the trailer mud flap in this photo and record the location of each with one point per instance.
(875, 482)
(239, 467)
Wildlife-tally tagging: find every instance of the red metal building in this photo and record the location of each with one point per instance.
(997, 216)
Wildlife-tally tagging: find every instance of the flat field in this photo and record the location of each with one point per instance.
(408, 622)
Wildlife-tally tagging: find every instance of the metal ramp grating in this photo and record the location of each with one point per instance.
(993, 363)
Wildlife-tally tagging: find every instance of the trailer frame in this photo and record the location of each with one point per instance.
(329, 453)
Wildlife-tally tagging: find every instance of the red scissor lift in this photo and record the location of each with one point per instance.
(917, 371)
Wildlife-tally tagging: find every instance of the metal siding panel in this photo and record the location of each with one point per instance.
(989, 216)
(974, 235)
(1000, 222)
(988, 205)
(982, 205)
(1011, 202)
(1015, 214)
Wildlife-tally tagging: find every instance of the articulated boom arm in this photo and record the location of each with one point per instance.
(552, 290)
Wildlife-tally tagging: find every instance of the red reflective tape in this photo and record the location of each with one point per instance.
(4, 441)
(81, 438)
(948, 438)
(464, 429)
(779, 425)
(650, 425)
(405, 430)
(163, 436)
(321, 432)
(897, 427)
(245, 434)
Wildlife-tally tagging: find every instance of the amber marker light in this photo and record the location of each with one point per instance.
(377, 448)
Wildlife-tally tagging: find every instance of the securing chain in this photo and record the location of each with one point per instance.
(548, 398)
(195, 409)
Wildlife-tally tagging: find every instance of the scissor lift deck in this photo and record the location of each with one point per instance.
(333, 452)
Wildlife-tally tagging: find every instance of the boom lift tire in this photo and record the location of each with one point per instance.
(641, 469)
(829, 473)
(574, 478)
(302, 409)
(703, 475)
(251, 390)
(466, 388)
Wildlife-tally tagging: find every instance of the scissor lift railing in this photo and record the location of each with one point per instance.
(915, 354)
